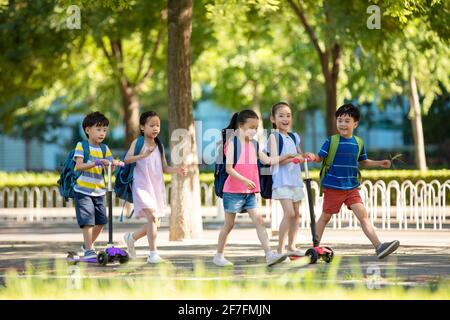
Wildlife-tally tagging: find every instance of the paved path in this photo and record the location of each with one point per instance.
(423, 256)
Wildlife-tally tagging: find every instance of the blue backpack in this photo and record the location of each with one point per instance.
(265, 179)
(220, 172)
(68, 177)
(123, 186)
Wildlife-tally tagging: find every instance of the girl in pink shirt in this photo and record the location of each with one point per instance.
(242, 184)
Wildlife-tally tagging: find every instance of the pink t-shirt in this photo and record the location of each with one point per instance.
(246, 166)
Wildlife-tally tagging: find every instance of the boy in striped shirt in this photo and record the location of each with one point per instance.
(90, 190)
(340, 183)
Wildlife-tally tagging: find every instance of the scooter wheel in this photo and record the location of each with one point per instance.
(124, 259)
(102, 258)
(313, 255)
(328, 257)
(70, 257)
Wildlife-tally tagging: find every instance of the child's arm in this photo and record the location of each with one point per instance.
(131, 158)
(274, 155)
(230, 170)
(274, 158)
(81, 166)
(172, 170)
(376, 164)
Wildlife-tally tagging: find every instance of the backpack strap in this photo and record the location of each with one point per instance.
(328, 161)
(160, 147)
(103, 147)
(360, 146)
(236, 150)
(334, 144)
(292, 135)
(139, 145)
(237, 144)
(278, 140)
(86, 150)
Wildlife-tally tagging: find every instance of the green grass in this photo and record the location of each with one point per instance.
(167, 282)
(31, 179)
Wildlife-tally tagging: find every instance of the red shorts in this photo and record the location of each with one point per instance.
(334, 199)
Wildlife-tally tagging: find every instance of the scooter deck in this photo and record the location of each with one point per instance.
(75, 258)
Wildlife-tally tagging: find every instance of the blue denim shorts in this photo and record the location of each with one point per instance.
(239, 202)
(91, 211)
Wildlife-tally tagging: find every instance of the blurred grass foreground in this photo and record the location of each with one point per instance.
(167, 282)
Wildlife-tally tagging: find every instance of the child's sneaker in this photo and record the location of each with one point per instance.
(386, 248)
(83, 248)
(295, 253)
(273, 258)
(90, 254)
(220, 261)
(154, 258)
(128, 238)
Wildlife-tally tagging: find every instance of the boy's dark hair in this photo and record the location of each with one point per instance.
(143, 118)
(275, 108)
(94, 119)
(348, 109)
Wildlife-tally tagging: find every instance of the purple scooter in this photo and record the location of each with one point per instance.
(110, 254)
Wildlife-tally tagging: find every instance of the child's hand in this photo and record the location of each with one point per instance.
(250, 184)
(385, 164)
(297, 159)
(148, 151)
(312, 156)
(182, 171)
(116, 163)
(105, 162)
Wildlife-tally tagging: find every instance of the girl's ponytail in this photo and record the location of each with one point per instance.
(233, 125)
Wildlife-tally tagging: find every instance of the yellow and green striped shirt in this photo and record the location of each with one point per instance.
(91, 182)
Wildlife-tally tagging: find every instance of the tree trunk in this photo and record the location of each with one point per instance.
(331, 105)
(130, 106)
(185, 218)
(257, 108)
(416, 122)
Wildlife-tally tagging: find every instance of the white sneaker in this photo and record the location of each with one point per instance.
(295, 253)
(220, 261)
(128, 238)
(154, 259)
(273, 258)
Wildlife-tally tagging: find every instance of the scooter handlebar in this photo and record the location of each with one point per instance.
(296, 160)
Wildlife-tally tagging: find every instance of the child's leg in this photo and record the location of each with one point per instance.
(96, 232)
(88, 236)
(293, 229)
(321, 224)
(142, 232)
(260, 228)
(286, 222)
(361, 213)
(152, 228)
(226, 229)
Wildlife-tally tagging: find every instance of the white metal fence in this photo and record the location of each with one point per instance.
(418, 205)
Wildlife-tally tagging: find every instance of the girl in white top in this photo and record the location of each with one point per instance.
(287, 184)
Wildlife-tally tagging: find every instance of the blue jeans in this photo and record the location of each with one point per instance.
(90, 211)
(239, 202)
